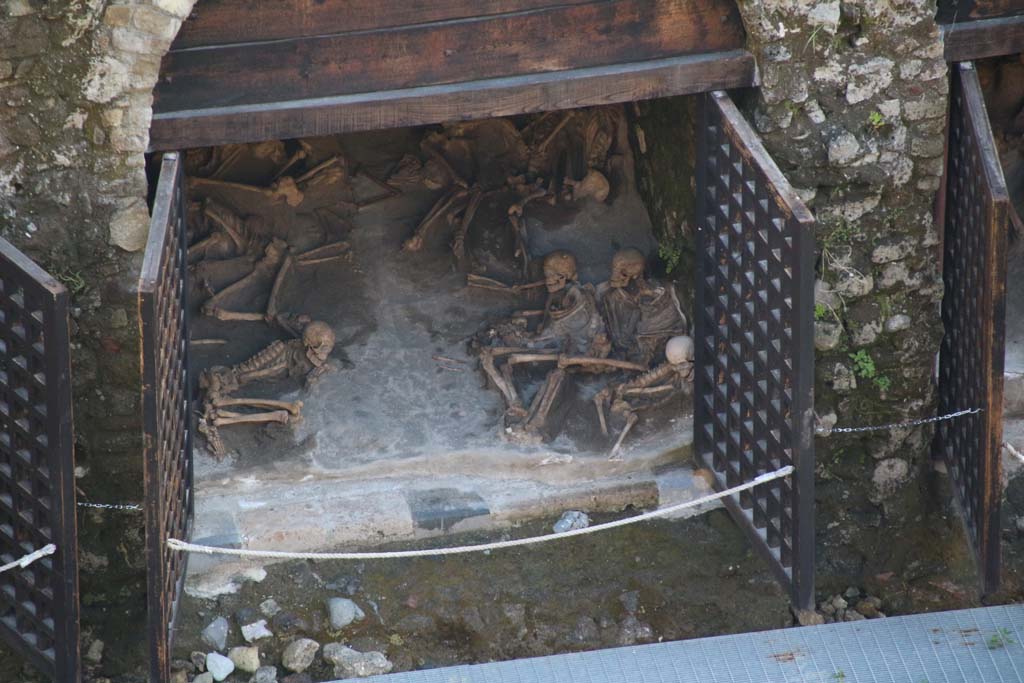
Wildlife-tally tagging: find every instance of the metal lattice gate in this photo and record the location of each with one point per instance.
(38, 603)
(167, 410)
(973, 317)
(754, 332)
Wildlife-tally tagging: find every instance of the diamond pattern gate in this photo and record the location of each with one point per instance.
(754, 332)
(973, 317)
(38, 603)
(167, 410)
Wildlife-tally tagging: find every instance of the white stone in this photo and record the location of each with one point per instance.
(299, 654)
(890, 109)
(887, 253)
(130, 40)
(349, 663)
(910, 68)
(256, 631)
(889, 475)
(854, 210)
(179, 8)
(892, 275)
(831, 73)
(843, 148)
(269, 607)
(107, 78)
(219, 666)
(571, 520)
(897, 323)
(843, 379)
(129, 228)
(155, 22)
(853, 284)
(866, 334)
(343, 612)
(825, 15)
(926, 108)
(75, 121)
(245, 659)
(868, 79)
(936, 69)
(814, 112)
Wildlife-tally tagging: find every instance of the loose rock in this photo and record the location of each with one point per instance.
(179, 676)
(299, 654)
(265, 674)
(349, 663)
(206, 677)
(255, 631)
(632, 630)
(288, 623)
(246, 659)
(219, 666)
(198, 660)
(630, 600)
(343, 612)
(216, 634)
(269, 608)
(570, 520)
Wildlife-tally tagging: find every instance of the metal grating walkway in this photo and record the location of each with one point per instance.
(984, 645)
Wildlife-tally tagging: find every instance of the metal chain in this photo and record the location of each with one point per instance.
(111, 506)
(897, 425)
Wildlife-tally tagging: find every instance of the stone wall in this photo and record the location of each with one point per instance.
(852, 107)
(76, 81)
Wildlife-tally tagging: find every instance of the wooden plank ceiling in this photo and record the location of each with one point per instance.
(975, 29)
(243, 70)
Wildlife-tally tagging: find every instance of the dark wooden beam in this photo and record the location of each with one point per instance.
(221, 22)
(453, 102)
(477, 48)
(953, 11)
(967, 40)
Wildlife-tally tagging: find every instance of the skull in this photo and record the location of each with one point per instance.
(627, 265)
(679, 350)
(559, 269)
(318, 339)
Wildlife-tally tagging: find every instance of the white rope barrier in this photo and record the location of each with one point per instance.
(182, 546)
(1013, 451)
(30, 558)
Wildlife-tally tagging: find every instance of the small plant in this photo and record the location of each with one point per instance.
(812, 40)
(820, 311)
(883, 383)
(1000, 639)
(72, 279)
(839, 675)
(876, 120)
(863, 364)
(671, 255)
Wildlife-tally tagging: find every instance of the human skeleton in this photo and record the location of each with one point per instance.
(571, 334)
(650, 390)
(305, 358)
(641, 314)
